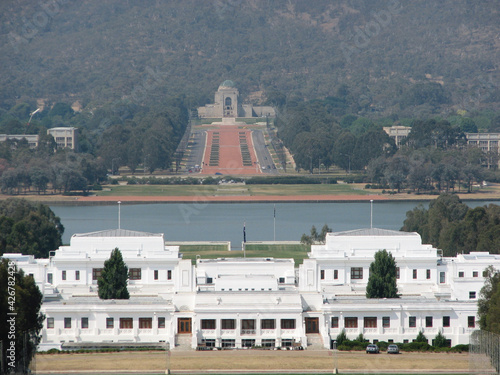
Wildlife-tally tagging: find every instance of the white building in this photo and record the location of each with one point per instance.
(244, 302)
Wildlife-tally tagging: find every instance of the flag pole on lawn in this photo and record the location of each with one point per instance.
(274, 219)
(244, 239)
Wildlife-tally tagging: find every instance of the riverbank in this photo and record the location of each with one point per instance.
(138, 194)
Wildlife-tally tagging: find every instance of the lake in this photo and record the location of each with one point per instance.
(225, 221)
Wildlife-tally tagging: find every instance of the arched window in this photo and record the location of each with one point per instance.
(228, 102)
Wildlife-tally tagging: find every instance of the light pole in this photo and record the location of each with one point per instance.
(119, 214)
(371, 213)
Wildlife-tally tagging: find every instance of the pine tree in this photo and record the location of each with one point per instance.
(489, 301)
(382, 280)
(113, 280)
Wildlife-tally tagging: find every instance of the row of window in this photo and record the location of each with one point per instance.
(248, 343)
(357, 274)
(125, 323)
(133, 274)
(247, 324)
(371, 322)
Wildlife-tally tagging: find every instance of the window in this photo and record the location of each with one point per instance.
(267, 324)
(63, 275)
(370, 322)
(386, 322)
(50, 323)
(67, 323)
(210, 343)
(322, 273)
(77, 275)
(96, 273)
(169, 275)
(110, 323)
(210, 280)
(85, 323)
(247, 343)
(428, 321)
(208, 324)
(248, 324)
(471, 321)
(442, 277)
(397, 273)
(281, 280)
(134, 274)
(145, 323)
(351, 322)
(460, 273)
(268, 343)
(446, 321)
(156, 274)
(356, 273)
(161, 322)
(228, 324)
(472, 295)
(228, 343)
(428, 274)
(49, 278)
(485, 273)
(412, 321)
(335, 274)
(475, 274)
(287, 323)
(335, 322)
(414, 274)
(126, 323)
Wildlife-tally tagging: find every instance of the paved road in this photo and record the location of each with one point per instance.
(197, 147)
(263, 155)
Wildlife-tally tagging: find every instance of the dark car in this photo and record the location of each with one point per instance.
(372, 348)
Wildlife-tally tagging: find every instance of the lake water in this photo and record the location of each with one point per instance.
(224, 222)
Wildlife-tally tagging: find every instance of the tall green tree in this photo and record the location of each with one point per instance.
(112, 283)
(382, 280)
(489, 301)
(29, 228)
(28, 320)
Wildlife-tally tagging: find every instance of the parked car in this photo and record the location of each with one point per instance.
(392, 349)
(372, 348)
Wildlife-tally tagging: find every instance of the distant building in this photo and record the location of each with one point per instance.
(487, 142)
(65, 137)
(398, 133)
(32, 139)
(226, 104)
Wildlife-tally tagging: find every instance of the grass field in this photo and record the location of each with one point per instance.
(310, 361)
(211, 190)
(295, 251)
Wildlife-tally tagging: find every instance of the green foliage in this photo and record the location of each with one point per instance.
(489, 302)
(382, 279)
(315, 237)
(112, 283)
(28, 318)
(440, 341)
(29, 228)
(451, 225)
(342, 338)
(421, 338)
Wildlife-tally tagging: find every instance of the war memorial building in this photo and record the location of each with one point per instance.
(227, 104)
(245, 302)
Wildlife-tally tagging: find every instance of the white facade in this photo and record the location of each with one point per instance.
(243, 302)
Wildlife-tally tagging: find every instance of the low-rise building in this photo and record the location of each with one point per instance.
(245, 302)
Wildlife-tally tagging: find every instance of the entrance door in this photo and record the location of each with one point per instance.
(184, 325)
(312, 325)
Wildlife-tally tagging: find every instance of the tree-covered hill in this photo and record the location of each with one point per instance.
(386, 56)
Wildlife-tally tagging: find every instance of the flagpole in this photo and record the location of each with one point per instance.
(244, 239)
(274, 223)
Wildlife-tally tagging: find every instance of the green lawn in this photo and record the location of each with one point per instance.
(211, 190)
(297, 252)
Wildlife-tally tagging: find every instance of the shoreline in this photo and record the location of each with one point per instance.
(59, 200)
